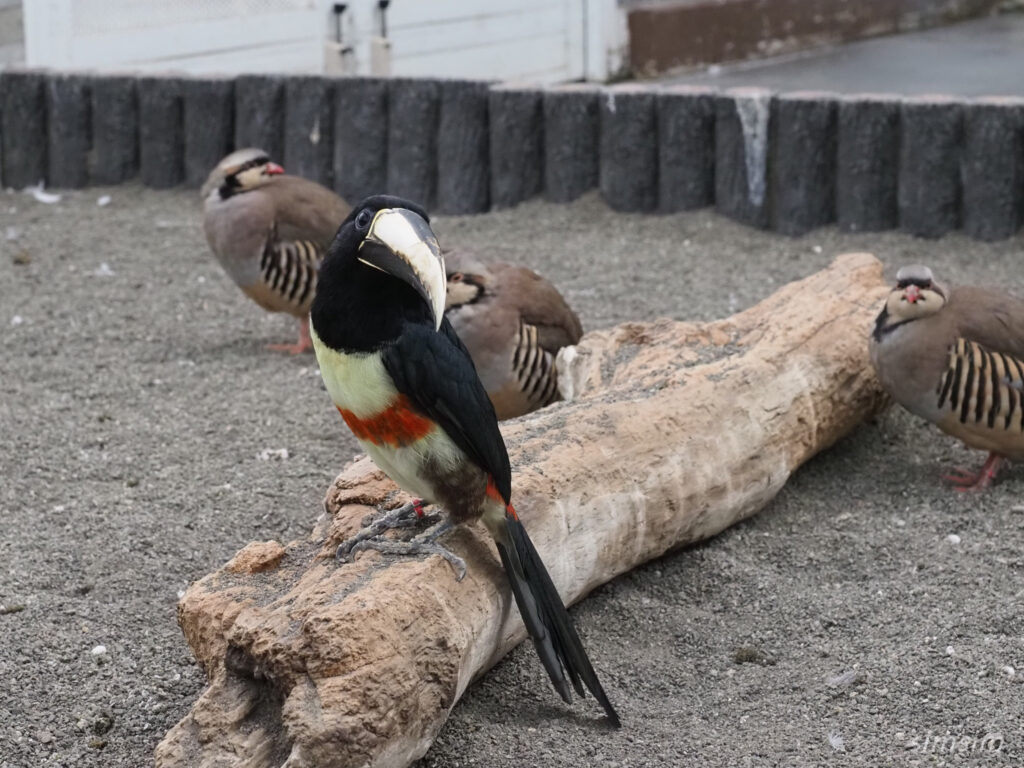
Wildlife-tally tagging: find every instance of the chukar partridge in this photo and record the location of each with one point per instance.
(956, 358)
(270, 231)
(513, 322)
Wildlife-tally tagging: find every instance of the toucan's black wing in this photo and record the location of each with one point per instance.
(434, 370)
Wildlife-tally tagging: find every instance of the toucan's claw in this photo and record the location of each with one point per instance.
(408, 516)
(417, 546)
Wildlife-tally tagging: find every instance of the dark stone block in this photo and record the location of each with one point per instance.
(23, 127)
(686, 147)
(629, 148)
(69, 129)
(931, 146)
(414, 110)
(993, 168)
(463, 148)
(161, 132)
(867, 162)
(115, 130)
(572, 141)
(803, 162)
(308, 125)
(259, 114)
(517, 144)
(360, 137)
(742, 125)
(209, 125)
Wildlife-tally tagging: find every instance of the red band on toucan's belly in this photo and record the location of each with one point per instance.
(398, 425)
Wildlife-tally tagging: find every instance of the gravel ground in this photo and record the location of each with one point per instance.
(869, 616)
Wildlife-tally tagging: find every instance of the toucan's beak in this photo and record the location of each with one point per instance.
(402, 244)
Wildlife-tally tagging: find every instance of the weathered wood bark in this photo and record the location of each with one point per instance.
(672, 432)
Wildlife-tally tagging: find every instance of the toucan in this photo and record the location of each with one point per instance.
(406, 387)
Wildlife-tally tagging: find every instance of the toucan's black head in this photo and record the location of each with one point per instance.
(384, 269)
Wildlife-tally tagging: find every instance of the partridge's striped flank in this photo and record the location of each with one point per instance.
(533, 367)
(983, 387)
(290, 269)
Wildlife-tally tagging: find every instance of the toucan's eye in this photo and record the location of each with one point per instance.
(456, 278)
(363, 219)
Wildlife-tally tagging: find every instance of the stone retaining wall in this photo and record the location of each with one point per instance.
(790, 161)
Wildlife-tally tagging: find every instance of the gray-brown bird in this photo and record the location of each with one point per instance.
(270, 231)
(513, 322)
(956, 358)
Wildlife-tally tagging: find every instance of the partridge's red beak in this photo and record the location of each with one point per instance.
(912, 293)
(273, 169)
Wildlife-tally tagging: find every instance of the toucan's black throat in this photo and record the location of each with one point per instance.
(361, 309)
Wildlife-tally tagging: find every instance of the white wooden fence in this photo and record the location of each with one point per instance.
(528, 40)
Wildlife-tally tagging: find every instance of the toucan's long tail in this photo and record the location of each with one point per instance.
(546, 619)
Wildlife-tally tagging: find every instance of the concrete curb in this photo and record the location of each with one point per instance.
(308, 128)
(791, 161)
(414, 112)
(742, 131)
(931, 133)
(686, 148)
(360, 137)
(463, 148)
(571, 141)
(993, 168)
(517, 144)
(115, 130)
(209, 118)
(161, 132)
(69, 130)
(23, 127)
(803, 162)
(259, 114)
(628, 158)
(867, 157)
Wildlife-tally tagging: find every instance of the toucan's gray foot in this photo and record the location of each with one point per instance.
(406, 516)
(424, 544)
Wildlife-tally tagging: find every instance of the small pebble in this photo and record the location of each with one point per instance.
(272, 453)
(99, 650)
(953, 539)
(103, 200)
(17, 320)
(1008, 670)
(949, 650)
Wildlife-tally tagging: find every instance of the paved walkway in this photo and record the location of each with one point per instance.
(974, 58)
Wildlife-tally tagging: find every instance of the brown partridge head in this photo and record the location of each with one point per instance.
(241, 171)
(915, 295)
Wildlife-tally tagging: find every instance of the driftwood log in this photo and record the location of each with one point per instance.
(671, 432)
